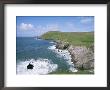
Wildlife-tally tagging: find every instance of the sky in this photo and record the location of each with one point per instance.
(30, 26)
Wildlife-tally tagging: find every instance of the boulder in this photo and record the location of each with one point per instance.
(30, 66)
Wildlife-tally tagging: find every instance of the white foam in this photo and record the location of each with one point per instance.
(61, 53)
(52, 42)
(64, 54)
(41, 67)
(53, 47)
(72, 69)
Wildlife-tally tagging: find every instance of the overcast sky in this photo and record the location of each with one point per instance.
(29, 26)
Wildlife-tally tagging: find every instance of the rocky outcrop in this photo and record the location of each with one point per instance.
(82, 57)
(62, 45)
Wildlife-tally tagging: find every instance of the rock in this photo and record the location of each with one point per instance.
(82, 57)
(89, 65)
(91, 47)
(62, 45)
(30, 66)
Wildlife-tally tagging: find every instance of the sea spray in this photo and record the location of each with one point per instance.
(41, 67)
(29, 49)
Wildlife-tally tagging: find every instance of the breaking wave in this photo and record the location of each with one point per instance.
(41, 67)
(64, 54)
(60, 53)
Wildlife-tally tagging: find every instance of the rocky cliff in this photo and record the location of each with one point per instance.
(82, 57)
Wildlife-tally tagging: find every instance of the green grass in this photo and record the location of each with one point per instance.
(73, 38)
(67, 72)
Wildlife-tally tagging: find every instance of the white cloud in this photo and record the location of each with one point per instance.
(38, 29)
(50, 27)
(24, 26)
(43, 29)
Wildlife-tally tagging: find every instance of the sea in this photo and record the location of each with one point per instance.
(43, 55)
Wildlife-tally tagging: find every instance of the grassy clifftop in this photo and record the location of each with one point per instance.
(73, 38)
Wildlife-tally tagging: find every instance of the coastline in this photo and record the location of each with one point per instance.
(65, 54)
(80, 46)
(81, 57)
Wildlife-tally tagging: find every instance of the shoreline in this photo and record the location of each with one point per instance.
(81, 56)
(65, 54)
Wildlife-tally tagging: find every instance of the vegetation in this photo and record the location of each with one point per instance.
(67, 72)
(73, 38)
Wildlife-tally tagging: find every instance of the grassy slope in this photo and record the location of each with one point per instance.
(74, 38)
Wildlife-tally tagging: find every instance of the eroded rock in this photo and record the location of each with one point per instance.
(62, 45)
(82, 57)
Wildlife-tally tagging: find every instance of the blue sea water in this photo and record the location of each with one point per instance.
(36, 51)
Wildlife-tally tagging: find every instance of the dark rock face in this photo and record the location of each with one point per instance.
(82, 57)
(30, 66)
(61, 45)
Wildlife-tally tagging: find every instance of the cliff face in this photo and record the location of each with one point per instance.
(82, 57)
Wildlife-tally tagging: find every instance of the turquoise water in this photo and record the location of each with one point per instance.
(29, 49)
